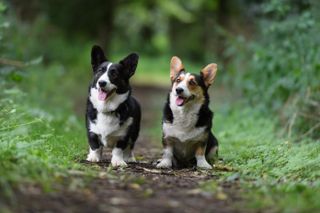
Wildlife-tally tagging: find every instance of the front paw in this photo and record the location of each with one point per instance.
(164, 164)
(94, 156)
(203, 164)
(117, 162)
(93, 159)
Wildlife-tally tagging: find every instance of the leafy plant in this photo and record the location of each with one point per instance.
(280, 69)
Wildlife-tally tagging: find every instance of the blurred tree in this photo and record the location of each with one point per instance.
(144, 24)
(26, 10)
(92, 18)
(75, 17)
(187, 28)
(279, 69)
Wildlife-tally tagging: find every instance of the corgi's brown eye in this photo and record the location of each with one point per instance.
(192, 83)
(178, 80)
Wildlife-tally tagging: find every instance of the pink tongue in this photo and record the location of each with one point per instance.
(102, 95)
(179, 101)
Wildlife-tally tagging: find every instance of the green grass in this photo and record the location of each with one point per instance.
(275, 172)
(36, 146)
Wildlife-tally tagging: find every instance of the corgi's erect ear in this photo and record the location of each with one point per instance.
(209, 73)
(130, 63)
(175, 67)
(97, 57)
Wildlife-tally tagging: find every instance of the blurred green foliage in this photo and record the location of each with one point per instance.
(155, 27)
(37, 138)
(279, 70)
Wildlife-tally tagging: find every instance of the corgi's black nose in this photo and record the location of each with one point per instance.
(179, 90)
(102, 83)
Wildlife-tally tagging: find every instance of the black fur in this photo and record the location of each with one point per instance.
(167, 113)
(119, 75)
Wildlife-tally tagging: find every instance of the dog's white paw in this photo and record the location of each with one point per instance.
(94, 155)
(117, 158)
(164, 164)
(118, 162)
(203, 164)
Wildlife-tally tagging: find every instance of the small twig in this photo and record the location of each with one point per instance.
(291, 123)
(152, 170)
(11, 62)
(308, 116)
(313, 103)
(310, 130)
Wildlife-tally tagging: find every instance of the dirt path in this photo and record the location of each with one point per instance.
(140, 187)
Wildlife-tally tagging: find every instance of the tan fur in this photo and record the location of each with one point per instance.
(175, 67)
(200, 150)
(195, 90)
(209, 73)
(179, 79)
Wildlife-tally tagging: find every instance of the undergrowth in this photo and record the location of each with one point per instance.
(275, 172)
(37, 147)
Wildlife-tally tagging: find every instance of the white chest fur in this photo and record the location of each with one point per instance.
(184, 121)
(111, 105)
(107, 126)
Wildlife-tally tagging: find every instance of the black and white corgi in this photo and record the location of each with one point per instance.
(113, 115)
(187, 119)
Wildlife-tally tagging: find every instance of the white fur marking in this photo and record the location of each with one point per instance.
(184, 121)
(108, 126)
(202, 162)
(112, 102)
(94, 155)
(105, 77)
(108, 67)
(117, 158)
(183, 84)
(166, 161)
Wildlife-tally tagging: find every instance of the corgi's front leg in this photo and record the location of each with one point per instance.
(95, 155)
(95, 148)
(201, 158)
(166, 161)
(117, 158)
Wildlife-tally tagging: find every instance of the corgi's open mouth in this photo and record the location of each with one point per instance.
(180, 101)
(104, 95)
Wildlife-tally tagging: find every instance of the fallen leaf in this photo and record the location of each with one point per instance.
(135, 186)
(221, 196)
(223, 168)
(118, 201)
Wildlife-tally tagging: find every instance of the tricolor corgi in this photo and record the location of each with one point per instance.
(187, 119)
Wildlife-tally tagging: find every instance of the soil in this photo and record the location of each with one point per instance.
(140, 187)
